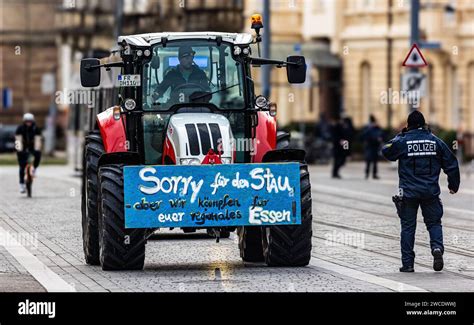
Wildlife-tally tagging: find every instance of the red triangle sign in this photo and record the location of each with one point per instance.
(415, 58)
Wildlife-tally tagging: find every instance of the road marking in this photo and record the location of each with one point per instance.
(337, 190)
(366, 277)
(43, 274)
(466, 191)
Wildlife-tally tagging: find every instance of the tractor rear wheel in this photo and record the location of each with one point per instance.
(120, 248)
(291, 245)
(93, 149)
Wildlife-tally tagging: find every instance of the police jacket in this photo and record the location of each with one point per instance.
(421, 156)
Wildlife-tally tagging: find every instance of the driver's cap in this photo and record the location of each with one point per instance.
(185, 50)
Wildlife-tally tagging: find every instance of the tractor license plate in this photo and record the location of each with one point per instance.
(128, 80)
(212, 195)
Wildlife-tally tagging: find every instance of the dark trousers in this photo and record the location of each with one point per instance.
(339, 161)
(432, 211)
(23, 160)
(372, 162)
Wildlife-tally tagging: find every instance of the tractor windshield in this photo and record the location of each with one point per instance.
(193, 71)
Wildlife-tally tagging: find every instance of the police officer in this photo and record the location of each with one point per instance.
(421, 156)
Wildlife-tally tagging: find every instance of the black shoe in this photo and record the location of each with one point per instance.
(336, 176)
(376, 177)
(438, 262)
(407, 269)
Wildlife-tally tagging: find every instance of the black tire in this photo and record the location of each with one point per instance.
(28, 188)
(291, 245)
(28, 181)
(250, 244)
(283, 140)
(93, 149)
(250, 238)
(120, 248)
(223, 233)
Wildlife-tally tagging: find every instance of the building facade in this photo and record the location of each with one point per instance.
(28, 57)
(294, 31)
(374, 41)
(372, 38)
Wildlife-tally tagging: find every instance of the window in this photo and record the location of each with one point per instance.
(365, 90)
(193, 72)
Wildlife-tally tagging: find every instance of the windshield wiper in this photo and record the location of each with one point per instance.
(214, 92)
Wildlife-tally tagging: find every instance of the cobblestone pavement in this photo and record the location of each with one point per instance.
(355, 244)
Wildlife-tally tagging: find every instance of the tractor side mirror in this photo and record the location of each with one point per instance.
(296, 73)
(90, 72)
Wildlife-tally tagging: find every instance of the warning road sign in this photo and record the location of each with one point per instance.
(415, 58)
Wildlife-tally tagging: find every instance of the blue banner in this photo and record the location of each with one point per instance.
(212, 195)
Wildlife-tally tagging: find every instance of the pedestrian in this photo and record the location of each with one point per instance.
(348, 134)
(340, 145)
(27, 141)
(372, 139)
(421, 156)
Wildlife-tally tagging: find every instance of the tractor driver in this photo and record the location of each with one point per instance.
(185, 76)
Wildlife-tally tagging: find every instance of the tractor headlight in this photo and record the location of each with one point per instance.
(226, 160)
(189, 161)
(261, 102)
(237, 50)
(130, 104)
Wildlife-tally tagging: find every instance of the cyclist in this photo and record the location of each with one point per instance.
(27, 141)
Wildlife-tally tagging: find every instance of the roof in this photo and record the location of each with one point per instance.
(153, 38)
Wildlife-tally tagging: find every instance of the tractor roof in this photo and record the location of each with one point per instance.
(153, 38)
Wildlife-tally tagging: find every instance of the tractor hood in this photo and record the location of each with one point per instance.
(191, 135)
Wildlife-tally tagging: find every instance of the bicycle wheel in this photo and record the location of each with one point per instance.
(28, 181)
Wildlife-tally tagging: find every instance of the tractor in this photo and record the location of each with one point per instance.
(190, 145)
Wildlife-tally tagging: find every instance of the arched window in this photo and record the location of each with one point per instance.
(456, 116)
(430, 100)
(366, 90)
(470, 93)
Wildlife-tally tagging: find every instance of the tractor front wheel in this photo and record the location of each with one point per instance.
(291, 245)
(120, 248)
(250, 238)
(250, 243)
